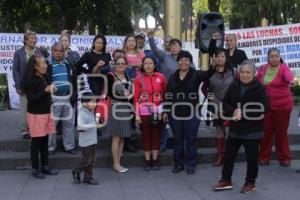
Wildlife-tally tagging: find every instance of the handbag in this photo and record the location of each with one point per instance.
(102, 110)
(103, 107)
(155, 118)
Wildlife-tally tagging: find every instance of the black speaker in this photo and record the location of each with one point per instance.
(209, 23)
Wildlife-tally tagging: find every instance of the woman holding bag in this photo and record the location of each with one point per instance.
(150, 87)
(119, 118)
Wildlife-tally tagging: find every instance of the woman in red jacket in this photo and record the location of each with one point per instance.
(277, 79)
(149, 89)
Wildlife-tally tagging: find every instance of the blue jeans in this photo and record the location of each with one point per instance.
(185, 135)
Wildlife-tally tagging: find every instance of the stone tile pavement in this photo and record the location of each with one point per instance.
(274, 182)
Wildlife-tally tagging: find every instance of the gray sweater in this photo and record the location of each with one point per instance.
(219, 84)
(168, 61)
(86, 127)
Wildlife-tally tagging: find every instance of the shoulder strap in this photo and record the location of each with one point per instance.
(112, 74)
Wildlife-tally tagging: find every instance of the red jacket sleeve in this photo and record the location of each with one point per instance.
(137, 93)
(287, 74)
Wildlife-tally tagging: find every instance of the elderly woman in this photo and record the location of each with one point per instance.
(181, 103)
(244, 104)
(234, 55)
(277, 79)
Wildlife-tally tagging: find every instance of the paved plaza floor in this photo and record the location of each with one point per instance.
(274, 183)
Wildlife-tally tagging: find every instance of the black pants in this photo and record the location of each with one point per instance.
(231, 149)
(39, 145)
(87, 162)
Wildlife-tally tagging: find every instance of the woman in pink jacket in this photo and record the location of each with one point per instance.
(149, 89)
(277, 79)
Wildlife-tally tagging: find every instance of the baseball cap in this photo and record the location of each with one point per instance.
(140, 34)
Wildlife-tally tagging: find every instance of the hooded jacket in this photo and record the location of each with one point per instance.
(255, 97)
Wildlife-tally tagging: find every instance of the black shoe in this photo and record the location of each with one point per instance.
(76, 177)
(71, 151)
(177, 169)
(51, 153)
(155, 165)
(130, 148)
(90, 181)
(50, 172)
(190, 170)
(37, 174)
(148, 165)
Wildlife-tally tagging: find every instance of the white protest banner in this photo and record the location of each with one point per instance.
(256, 42)
(10, 42)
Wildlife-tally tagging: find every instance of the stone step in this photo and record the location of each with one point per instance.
(21, 160)
(203, 141)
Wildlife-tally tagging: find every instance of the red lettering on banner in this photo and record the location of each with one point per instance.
(248, 35)
(237, 35)
(294, 30)
(269, 33)
(6, 54)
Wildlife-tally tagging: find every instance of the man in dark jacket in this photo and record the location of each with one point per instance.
(63, 77)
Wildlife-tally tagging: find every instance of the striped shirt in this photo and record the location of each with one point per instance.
(60, 78)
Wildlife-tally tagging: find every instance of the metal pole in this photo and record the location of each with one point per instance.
(203, 62)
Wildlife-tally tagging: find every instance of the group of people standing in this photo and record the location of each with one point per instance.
(147, 89)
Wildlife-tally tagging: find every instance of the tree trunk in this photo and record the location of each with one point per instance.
(146, 23)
